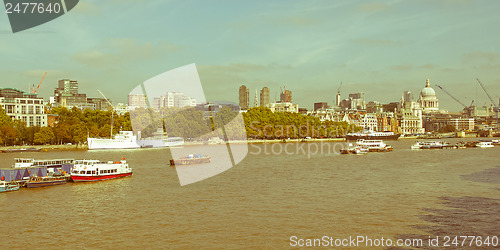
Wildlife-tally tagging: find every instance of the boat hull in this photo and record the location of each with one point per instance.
(77, 178)
(96, 143)
(370, 137)
(189, 161)
(36, 184)
(8, 188)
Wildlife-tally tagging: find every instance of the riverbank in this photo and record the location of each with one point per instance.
(47, 148)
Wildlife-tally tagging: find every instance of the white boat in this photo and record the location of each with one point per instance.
(485, 144)
(8, 186)
(372, 135)
(431, 145)
(354, 150)
(123, 140)
(373, 145)
(94, 170)
(30, 162)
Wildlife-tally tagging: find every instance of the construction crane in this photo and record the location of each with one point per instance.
(495, 106)
(468, 109)
(33, 90)
(112, 112)
(454, 98)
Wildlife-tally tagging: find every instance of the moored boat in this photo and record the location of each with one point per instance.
(123, 140)
(373, 145)
(485, 144)
(95, 170)
(36, 181)
(8, 186)
(20, 150)
(372, 135)
(190, 159)
(354, 150)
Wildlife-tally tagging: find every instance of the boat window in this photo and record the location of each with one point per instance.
(82, 172)
(93, 171)
(89, 172)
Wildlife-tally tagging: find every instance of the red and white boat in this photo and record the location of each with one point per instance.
(94, 170)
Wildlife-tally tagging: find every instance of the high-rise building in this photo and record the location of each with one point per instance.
(23, 106)
(264, 97)
(244, 95)
(66, 94)
(173, 99)
(286, 96)
(256, 100)
(408, 96)
(138, 100)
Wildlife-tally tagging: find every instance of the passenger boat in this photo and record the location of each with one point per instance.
(8, 186)
(373, 145)
(190, 159)
(30, 162)
(354, 150)
(36, 181)
(123, 140)
(372, 135)
(159, 139)
(94, 170)
(432, 145)
(485, 144)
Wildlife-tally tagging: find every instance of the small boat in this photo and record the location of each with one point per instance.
(485, 144)
(190, 159)
(372, 135)
(94, 170)
(19, 150)
(36, 181)
(8, 186)
(373, 145)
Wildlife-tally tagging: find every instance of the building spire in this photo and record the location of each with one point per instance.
(427, 84)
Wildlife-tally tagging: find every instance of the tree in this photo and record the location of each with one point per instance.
(447, 129)
(44, 135)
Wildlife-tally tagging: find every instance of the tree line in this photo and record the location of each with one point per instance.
(75, 125)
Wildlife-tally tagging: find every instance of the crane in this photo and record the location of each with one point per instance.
(495, 107)
(112, 112)
(33, 90)
(454, 98)
(468, 109)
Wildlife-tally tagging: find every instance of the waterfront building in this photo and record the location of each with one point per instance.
(284, 107)
(369, 121)
(99, 103)
(410, 117)
(66, 95)
(244, 97)
(173, 99)
(264, 97)
(437, 121)
(138, 100)
(26, 107)
(428, 99)
(122, 108)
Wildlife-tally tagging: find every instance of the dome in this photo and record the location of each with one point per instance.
(428, 91)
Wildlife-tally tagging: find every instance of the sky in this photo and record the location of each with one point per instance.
(381, 48)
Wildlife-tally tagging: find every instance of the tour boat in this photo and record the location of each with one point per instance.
(190, 159)
(373, 145)
(159, 139)
(354, 150)
(485, 144)
(94, 170)
(372, 135)
(30, 162)
(8, 186)
(36, 181)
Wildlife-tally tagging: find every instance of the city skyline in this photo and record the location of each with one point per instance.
(381, 48)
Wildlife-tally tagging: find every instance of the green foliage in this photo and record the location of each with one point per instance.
(447, 129)
(44, 136)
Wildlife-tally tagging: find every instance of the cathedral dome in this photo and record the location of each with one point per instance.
(428, 91)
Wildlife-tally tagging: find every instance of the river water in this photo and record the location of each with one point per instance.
(264, 200)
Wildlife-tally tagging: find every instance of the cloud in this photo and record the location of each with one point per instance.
(480, 56)
(371, 7)
(112, 53)
(374, 42)
(296, 21)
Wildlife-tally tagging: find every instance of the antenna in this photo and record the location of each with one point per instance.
(112, 112)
